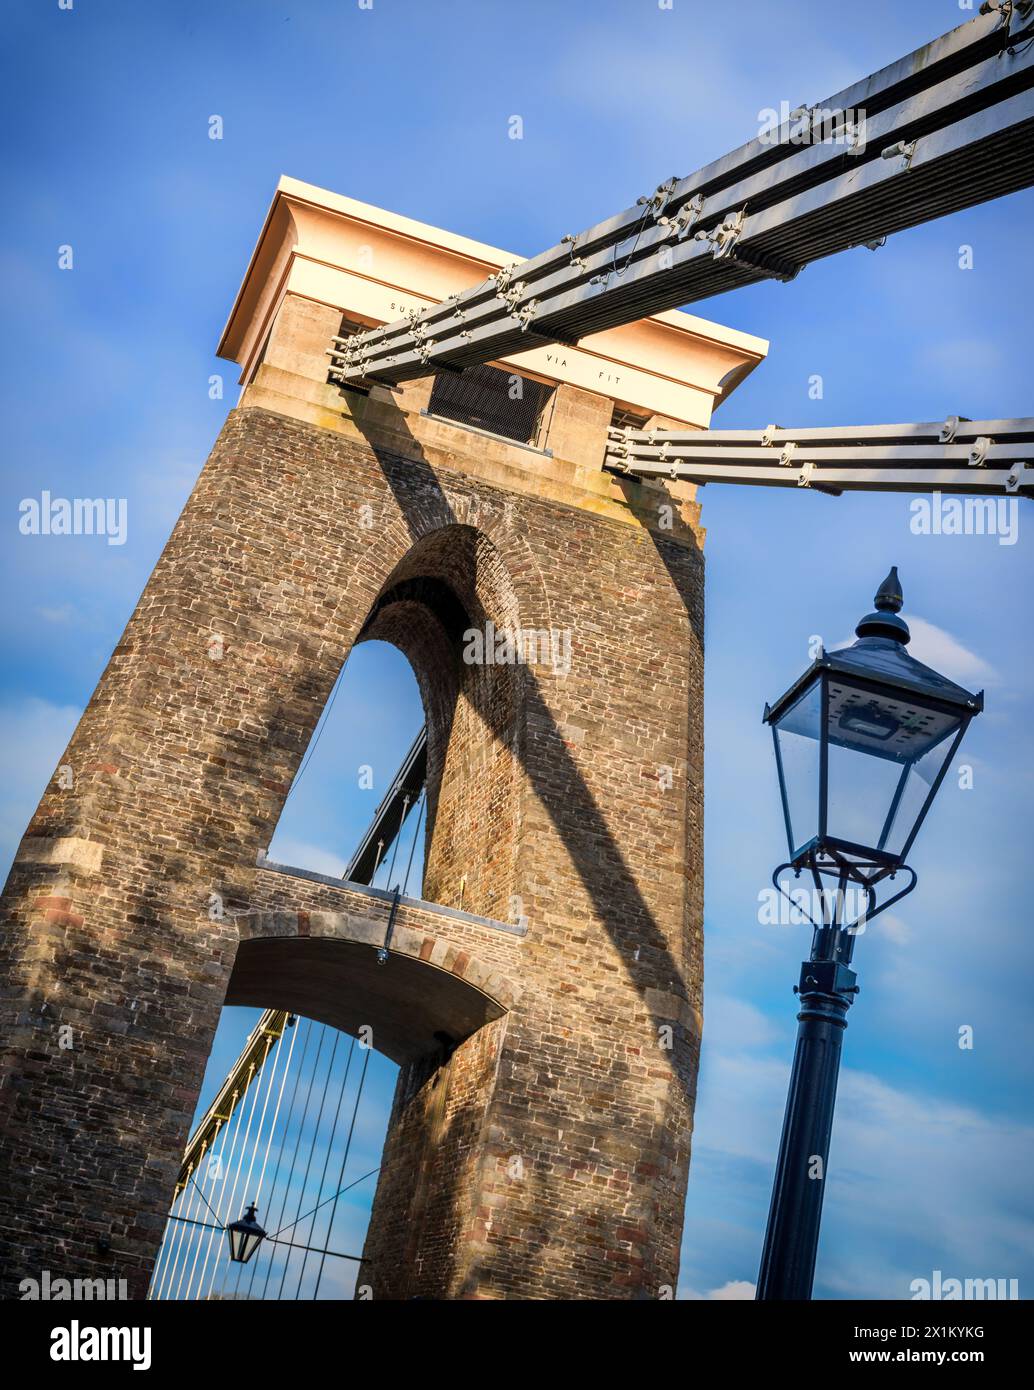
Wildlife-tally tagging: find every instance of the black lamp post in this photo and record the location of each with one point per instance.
(862, 742)
(245, 1235)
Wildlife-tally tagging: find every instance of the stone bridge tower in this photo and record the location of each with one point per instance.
(544, 999)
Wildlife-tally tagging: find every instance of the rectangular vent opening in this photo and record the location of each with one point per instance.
(627, 419)
(500, 402)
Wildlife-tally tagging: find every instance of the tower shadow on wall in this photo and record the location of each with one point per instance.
(623, 911)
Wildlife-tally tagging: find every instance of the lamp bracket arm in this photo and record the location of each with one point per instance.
(783, 893)
(907, 869)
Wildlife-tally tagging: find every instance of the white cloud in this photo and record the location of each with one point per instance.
(935, 647)
(916, 1181)
(894, 928)
(734, 1024)
(736, 1290)
(63, 614)
(945, 653)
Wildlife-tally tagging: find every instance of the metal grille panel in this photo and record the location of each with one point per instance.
(503, 403)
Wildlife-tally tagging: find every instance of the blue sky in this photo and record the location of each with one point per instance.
(406, 105)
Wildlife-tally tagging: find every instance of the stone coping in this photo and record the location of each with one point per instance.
(386, 896)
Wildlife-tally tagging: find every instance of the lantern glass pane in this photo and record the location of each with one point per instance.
(797, 734)
(862, 788)
(885, 751)
(920, 779)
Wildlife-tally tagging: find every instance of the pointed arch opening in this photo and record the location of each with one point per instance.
(410, 991)
(449, 606)
(434, 653)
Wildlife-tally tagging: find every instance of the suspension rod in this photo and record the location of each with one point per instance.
(989, 457)
(942, 129)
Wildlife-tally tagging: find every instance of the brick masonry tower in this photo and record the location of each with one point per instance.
(545, 998)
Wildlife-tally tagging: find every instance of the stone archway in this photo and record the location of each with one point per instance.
(324, 965)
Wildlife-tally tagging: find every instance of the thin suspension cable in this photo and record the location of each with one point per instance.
(166, 1233)
(216, 1174)
(173, 1254)
(187, 1198)
(280, 1153)
(269, 1078)
(267, 1075)
(412, 847)
(326, 1163)
(276, 1110)
(298, 1140)
(319, 728)
(191, 1209)
(312, 1146)
(339, 1193)
(272, 1130)
(230, 1208)
(165, 1291)
(162, 1261)
(222, 1177)
(344, 1160)
(398, 837)
(222, 1248)
(204, 1199)
(215, 1161)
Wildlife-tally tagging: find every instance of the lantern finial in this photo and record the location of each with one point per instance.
(889, 597)
(884, 622)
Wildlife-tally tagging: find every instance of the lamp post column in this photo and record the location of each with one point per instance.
(862, 743)
(826, 990)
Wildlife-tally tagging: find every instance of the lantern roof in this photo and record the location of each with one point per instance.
(879, 656)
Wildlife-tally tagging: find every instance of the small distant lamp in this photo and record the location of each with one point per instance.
(245, 1235)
